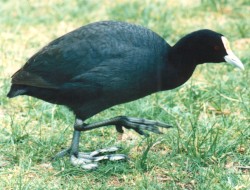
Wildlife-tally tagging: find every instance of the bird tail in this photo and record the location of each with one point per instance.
(16, 90)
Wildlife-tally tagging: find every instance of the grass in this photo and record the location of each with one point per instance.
(208, 148)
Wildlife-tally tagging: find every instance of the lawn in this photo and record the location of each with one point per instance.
(209, 145)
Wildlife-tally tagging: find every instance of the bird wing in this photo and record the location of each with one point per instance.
(86, 51)
(54, 65)
(61, 60)
(23, 77)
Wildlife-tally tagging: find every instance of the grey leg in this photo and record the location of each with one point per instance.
(89, 160)
(73, 149)
(136, 124)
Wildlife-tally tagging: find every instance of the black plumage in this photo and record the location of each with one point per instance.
(107, 63)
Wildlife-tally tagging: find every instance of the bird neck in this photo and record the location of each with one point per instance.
(183, 60)
(184, 55)
(180, 68)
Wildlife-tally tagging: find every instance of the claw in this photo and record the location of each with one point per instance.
(141, 132)
(148, 122)
(139, 125)
(115, 157)
(92, 166)
(151, 128)
(62, 153)
(112, 157)
(104, 150)
(119, 129)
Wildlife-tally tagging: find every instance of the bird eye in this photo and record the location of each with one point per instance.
(216, 48)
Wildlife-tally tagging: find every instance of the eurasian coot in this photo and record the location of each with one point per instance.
(107, 63)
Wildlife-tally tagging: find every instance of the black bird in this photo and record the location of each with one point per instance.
(107, 63)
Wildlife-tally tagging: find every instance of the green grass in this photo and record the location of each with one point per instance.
(208, 148)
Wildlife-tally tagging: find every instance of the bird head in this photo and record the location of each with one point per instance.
(206, 46)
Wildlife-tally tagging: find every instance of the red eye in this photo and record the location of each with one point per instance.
(216, 48)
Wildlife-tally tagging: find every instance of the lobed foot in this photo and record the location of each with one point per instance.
(137, 124)
(90, 160)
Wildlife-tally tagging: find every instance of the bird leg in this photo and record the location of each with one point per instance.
(136, 124)
(88, 160)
